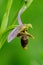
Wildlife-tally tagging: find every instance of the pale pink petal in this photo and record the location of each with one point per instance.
(14, 33)
(19, 20)
(19, 14)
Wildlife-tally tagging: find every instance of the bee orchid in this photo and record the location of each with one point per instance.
(21, 29)
(17, 30)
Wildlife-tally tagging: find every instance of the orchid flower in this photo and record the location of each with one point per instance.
(21, 27)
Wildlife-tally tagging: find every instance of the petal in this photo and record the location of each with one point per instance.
(19, 20)
(14, 33)
(19, 14)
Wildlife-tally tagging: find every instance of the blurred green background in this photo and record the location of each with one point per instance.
(12, 53)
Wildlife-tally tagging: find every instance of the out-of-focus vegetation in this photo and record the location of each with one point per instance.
(12, 53)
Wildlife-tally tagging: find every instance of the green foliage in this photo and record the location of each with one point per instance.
(5, 17)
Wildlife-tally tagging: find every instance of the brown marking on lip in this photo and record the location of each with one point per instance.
(24, 42)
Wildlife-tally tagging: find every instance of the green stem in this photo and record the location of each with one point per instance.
(5, 17)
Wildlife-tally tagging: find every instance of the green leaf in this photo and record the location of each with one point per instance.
(6, 16)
